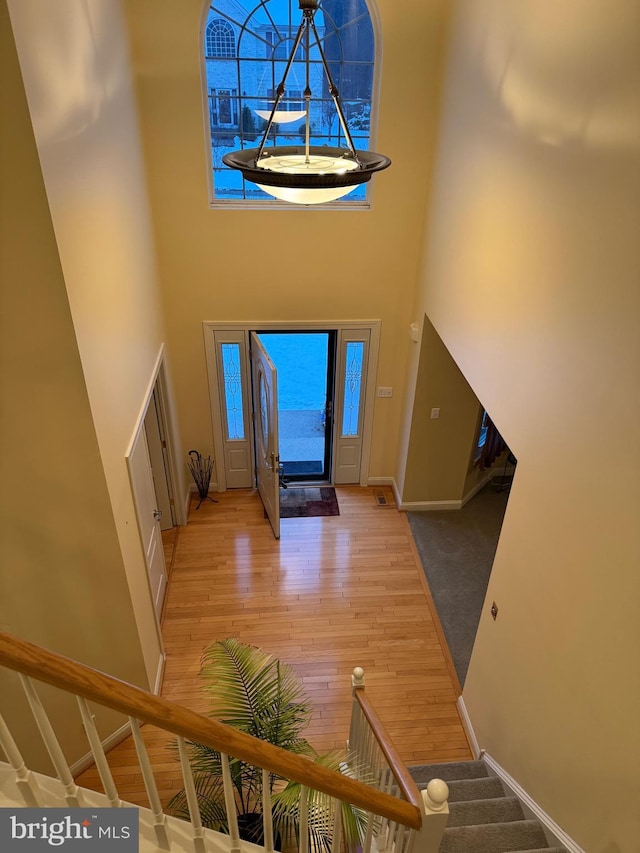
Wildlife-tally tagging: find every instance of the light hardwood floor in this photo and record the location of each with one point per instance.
(333, 593)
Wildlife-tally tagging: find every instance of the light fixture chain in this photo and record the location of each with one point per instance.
(281, 86)
(307, 90)
(335, 94)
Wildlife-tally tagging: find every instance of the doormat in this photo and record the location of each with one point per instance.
(308, 503)
(295, 468)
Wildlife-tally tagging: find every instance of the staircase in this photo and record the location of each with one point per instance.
(482, 817)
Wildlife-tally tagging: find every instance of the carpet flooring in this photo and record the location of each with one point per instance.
(308, 502)
(483, 817)
(456, 549)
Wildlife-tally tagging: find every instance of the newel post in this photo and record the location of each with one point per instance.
(434, 817)
(355, 728)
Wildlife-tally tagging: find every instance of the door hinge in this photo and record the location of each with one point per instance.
(164, 444)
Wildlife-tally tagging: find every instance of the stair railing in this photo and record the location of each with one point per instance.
(375, 761)
(402, 818)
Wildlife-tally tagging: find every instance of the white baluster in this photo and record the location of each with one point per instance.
(368, 838)
(267, 817)
(398, 838)
(159, 817)
(337, 828)
(303, 847)
(230, 804)
(72, 792)
(98, 753)
(25, 780)
(434, 818)
(192, 797)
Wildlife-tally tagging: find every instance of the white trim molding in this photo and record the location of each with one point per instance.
(468, 728)
(424, 506)
(108, 743)
(556, 836)
(478, 487)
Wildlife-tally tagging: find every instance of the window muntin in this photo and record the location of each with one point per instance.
(263, 40)
(220, 39)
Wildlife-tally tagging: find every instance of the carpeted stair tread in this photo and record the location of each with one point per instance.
(494, 837)
(496, 810)
(545, 850)
(448, 770)
(462, 790)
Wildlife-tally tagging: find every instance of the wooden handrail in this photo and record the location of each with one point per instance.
(73, 677)
(405, 781)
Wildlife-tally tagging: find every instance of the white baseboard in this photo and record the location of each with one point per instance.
(556, 836)
(411, 506)
(187, 503)
(478, 487)
(119, 734)
(159, 674)
(386, 481)
(108, 743)
(468, 728)
(426, 506)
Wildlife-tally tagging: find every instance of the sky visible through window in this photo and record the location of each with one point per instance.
(243, 80)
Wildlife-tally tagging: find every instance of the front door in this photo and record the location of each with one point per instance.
(265, 407)
(305, 364)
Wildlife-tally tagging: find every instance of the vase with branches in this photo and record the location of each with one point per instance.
(263, 697)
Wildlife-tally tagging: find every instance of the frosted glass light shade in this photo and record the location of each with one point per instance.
(299, 164)
(295, 195)
(282, 116)
(292, 174)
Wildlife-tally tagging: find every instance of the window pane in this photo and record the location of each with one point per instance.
(352, 387)
(233, 391)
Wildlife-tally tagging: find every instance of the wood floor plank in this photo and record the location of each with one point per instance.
(333, 593)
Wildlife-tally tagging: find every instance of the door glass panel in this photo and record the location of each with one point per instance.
(234, 414)
(264, 413)
(352, 388)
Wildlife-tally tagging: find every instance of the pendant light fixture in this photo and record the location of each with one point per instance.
(306, 174)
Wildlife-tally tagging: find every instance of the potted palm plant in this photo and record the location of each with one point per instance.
(263, 697)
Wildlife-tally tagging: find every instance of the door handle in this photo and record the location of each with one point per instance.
(157, 514)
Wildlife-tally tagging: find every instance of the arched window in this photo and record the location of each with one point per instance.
(246, 45)
(221, 39)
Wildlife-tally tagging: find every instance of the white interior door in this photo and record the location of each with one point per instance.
(265, 407)
(156, 447)
(148, 516)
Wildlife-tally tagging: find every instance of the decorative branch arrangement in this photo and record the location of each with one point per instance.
(201, 471)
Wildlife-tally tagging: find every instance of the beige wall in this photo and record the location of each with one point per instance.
(62, 578)
(75, 64)
(531, 277)
(218, 265)
(440, 449)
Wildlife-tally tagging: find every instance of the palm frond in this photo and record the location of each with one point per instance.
(255, 693)
(263, 697)
(210, 795)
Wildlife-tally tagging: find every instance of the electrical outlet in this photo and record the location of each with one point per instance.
(385, 392)
(435, 413)
(494, 611)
